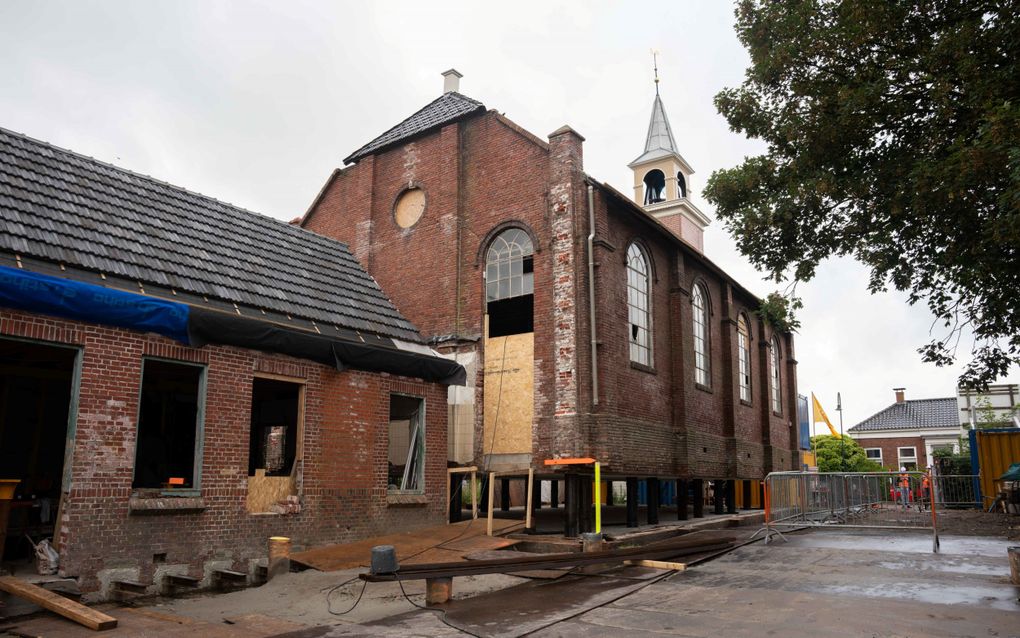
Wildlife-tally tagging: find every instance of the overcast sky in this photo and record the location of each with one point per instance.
(255, 103)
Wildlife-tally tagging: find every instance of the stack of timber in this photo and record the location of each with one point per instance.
(658, 551)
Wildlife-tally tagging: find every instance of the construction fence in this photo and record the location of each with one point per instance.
(870, 500)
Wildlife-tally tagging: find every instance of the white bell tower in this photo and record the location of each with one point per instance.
(662, 179)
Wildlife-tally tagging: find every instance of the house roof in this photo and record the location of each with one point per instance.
(97, 221)
(445, 109)
(916, 414)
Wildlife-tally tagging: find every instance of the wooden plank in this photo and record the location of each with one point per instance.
(492, 481)
(531, 491)
(358, 553)
(95, 620)
(474, 496)
(580, 461)
(657, 564)
(458, 470)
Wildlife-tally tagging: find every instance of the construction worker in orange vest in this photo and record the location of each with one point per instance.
(904, 483)
(925, 489)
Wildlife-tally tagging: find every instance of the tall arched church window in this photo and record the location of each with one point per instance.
(700, 312)
(744, 358)
(777, 395)
(655, 187)
(639, 315)
(510, 283)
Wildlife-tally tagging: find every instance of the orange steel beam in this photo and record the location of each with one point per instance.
(583, 461)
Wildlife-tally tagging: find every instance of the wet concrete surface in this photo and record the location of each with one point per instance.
(821, 583)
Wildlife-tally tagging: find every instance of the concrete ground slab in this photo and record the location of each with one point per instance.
(821, 583)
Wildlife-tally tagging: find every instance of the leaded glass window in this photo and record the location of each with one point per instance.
(639, 306)
(700, 309)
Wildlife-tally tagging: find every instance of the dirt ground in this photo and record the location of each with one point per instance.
(971, 522)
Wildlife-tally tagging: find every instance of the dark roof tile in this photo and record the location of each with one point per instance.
(915, 414)
(443, 110)
(60, 206)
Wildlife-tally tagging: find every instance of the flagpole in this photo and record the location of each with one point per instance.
(842, 441)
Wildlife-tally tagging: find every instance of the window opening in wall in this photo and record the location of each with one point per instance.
(681, 184)
(273, 435)
(36, 386)
(700, 335)
(406, 471)
(510, 284)
(655, 187)
(638, 306)
(874, 454)
(168, 423)
(744, 358)
(777, 397)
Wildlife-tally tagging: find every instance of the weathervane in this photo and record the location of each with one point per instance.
(655, 65)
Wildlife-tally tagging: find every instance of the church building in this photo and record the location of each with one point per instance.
(591, 324)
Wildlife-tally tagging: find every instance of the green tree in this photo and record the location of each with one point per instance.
(846, 455)
(893, 136)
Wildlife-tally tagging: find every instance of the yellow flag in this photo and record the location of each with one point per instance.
(819, 415)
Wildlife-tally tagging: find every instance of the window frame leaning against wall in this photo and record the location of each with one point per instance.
(744, 358)
(639, 289)
(776, 377)
(199, 444)
(699, 320)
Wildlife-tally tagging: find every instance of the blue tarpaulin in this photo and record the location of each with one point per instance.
(96, 304)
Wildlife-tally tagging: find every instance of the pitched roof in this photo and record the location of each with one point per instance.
(916, 414)
(659, 142)
(447, 108)
(63, 208)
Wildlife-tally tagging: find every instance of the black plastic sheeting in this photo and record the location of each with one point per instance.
(211, 326)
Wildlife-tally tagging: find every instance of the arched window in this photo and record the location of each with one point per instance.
(744, 358)
(510, 283)
(639, 305)
(681, 185)
(777, 396)
(655, 187)
(700, 312)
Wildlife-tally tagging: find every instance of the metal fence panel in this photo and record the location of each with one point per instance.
(873, 500)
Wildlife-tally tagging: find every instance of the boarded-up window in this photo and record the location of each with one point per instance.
(169, 419)
(406, 455)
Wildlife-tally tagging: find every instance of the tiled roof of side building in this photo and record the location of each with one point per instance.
(445, 109)
(61, 207)
(916, 414)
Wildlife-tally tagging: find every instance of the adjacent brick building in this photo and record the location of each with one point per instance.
(590, 325)
(181, 379)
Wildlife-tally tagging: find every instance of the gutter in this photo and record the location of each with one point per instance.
(591, 297)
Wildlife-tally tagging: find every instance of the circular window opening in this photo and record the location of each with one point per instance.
(409, 207)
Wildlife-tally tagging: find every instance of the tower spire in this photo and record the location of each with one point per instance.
(655, 65)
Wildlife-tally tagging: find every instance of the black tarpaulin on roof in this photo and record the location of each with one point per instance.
(211, 326)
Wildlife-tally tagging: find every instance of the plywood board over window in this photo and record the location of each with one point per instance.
(275, 442)
(509, 394)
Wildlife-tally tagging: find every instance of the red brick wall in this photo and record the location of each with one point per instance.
(648, 421)
(342, 478)
(890, 456)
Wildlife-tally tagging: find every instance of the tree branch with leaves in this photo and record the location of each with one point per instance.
(893, 137)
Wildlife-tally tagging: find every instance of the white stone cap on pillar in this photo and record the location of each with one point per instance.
(451, 80)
